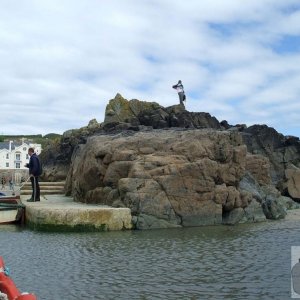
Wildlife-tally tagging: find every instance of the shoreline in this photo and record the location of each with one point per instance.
(61, 213)
(293, 215)
(70, 215)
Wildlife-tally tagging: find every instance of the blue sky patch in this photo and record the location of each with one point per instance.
(287, 44)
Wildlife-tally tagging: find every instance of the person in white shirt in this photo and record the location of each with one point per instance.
(180, 90)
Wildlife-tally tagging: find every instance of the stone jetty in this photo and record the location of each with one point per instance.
(58, 212)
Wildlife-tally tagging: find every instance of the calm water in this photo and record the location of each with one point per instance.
(241, 262)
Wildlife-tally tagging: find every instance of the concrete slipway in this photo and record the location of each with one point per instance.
(59, 212)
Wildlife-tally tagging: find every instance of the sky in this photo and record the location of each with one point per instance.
(61, 61)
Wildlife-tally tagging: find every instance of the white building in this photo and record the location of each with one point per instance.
(15, 155)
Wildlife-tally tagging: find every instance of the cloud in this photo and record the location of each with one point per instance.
(61, 61)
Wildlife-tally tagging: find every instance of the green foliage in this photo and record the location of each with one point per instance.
(51, 136)
(1, 138)
(37, 138)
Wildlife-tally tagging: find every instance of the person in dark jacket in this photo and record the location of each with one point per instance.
(180, 90)
(34, 166)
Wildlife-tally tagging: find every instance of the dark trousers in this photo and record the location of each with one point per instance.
(35, 188)
(181, 98)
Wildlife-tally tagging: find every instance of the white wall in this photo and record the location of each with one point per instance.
(18, 157)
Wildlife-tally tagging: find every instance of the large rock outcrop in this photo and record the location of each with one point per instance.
(170, 178)
(174, 168)
(120, 115)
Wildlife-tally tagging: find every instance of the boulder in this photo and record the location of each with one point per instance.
(271, 202)
(254, 212)
(234, 216)
(293, 182)
(121, 110)
(273, 208)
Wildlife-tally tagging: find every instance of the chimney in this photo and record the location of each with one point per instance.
(10, 142)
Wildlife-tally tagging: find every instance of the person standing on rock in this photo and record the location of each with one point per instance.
(180, 90)
(35, 169)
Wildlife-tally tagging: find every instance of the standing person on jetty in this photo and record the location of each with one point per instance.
(35, 169)
(180, 91)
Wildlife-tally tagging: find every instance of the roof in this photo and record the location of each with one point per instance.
(5, 145)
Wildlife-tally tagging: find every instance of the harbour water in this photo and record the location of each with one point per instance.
(250, 261)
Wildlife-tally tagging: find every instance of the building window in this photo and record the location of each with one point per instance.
(7, 156)
(24, 149)
(27, 156)
(7, 165)
(18, 156)
(17, 165)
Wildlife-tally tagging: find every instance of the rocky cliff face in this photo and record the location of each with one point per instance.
(283, 153)
(181, 177)
(172, 167)
(56, 157)
(174, 178)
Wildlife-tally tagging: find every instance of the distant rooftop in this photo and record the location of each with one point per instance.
(5, 145)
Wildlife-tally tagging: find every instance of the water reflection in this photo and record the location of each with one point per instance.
(10, 228)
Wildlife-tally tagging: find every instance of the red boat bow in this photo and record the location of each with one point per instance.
(8, 287)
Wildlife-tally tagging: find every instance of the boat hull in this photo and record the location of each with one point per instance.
(8, 216)
(11, 210)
